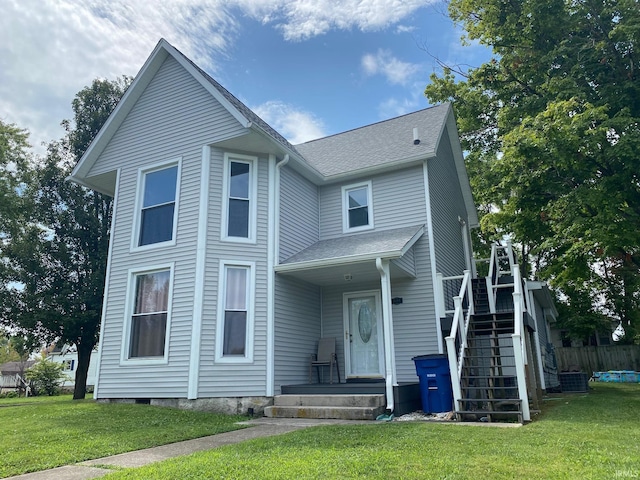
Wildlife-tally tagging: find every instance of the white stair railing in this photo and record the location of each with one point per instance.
(519, 350)
(459, 328)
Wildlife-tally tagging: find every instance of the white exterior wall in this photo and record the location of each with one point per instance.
(446, 206)
(398, 201)
(217, 379)
(297, 308)
(174, 117)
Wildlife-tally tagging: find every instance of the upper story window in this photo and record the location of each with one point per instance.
(357, 207)
(240, 191)
(235, 314)
(149, 314)
(157, 205)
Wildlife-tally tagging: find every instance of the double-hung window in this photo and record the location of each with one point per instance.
(157, 200)
(239, 207)
(149, 314)
(357, 208)
(235, 312)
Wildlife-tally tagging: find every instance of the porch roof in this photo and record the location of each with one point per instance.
(328, 261)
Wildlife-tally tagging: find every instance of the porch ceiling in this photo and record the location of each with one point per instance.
(352, 259)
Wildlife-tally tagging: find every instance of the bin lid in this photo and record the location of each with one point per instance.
(430, 356)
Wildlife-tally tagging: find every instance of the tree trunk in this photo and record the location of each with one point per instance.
(84, 357)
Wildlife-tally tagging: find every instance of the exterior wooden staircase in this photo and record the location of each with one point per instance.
(487, 343)
(488, 378)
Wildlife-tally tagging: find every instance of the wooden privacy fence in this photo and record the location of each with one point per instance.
(599, 359)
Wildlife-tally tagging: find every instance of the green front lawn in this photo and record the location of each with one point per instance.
(45, 432)
(580, 436)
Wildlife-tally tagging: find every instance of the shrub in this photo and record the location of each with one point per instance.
(46, 377)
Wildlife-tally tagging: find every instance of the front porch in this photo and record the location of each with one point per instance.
(351, 400)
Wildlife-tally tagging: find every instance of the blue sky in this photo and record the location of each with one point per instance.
(309, 67)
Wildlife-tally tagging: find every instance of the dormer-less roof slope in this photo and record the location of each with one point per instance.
(383, 144)
(163, 49)
(241, 107)
(372, 149)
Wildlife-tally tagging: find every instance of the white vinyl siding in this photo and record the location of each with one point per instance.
(446, 207)
(299, 213)
(219, 378)
(174, 117)
(297, 329)
(398, 198)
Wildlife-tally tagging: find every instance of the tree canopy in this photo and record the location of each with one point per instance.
(55, 256)
(552, 129)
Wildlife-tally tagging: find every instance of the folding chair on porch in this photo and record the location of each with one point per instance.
(326, 357)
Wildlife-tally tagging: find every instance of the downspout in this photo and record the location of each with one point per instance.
(387, 322)
(279, 166)
(272, 260)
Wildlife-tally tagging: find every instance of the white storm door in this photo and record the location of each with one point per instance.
(364, 353)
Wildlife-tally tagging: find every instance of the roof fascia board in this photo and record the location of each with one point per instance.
(312, 174)
(386, 167)
(413, 240)
(334, 262)
(206, 84)
(124, 106)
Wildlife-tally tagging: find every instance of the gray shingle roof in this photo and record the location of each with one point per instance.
(384, 244)
(241, 107)
(375, 145)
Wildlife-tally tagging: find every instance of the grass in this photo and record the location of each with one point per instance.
(586, 436)
(39, 433)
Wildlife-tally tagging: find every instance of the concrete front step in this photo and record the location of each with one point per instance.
(342, 413)
(345, 407)
(367, 400)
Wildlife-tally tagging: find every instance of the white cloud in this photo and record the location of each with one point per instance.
(384, 63)
(50, 49)
(295, 125)
(303, 19)
(394, 107)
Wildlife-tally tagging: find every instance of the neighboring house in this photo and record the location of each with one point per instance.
(233, 252)
(12, 375)
(68, 356)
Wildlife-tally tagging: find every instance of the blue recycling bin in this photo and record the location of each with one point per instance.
(435, 383)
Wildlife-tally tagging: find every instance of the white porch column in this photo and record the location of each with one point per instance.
(387, 323)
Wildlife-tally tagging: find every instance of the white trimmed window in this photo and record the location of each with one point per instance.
(157, 205)
(357, 207)
(235, 312)
(149, 313)
(239, 193)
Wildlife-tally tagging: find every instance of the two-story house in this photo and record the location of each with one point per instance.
(233, 252)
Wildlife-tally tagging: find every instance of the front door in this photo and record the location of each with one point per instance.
(364, 354)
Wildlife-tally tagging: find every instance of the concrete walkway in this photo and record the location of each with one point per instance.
(260, 427)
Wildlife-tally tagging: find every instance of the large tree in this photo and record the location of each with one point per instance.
(552, 129)
(58, 256)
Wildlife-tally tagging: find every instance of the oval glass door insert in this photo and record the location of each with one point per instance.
(365, 322)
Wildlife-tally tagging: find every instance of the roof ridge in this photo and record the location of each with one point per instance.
(236, 102)
(374, 123)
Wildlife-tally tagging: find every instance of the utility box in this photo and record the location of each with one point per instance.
(435, 383)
